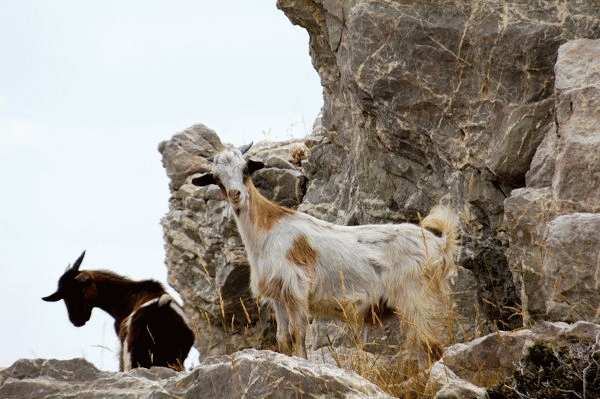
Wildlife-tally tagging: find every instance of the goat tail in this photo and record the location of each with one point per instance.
(444, 220)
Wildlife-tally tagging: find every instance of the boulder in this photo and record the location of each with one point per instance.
(551, 222)
(572, 268)
(488, 107)
(187, 151)
(577, 173)
(472, 367)
(249, 373)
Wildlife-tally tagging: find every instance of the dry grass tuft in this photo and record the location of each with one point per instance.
(387, 357)
(298, 155)
(399, 378)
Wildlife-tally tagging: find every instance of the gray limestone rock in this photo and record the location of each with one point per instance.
(186, 152)
(248, 373)
(552, 222)
(436, 101)
(468, 367)
(572, 268)
(490, 107)
(577, 174)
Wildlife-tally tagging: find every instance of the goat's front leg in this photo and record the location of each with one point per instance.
(291, 329)
(298, 323)
(284, 339)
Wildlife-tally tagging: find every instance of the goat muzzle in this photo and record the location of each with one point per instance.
(235, 196)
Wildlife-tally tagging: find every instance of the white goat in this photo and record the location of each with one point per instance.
(305, 267)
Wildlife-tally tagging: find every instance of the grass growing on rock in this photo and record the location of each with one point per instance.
(554, 369)
(384, 355)
(398, 376)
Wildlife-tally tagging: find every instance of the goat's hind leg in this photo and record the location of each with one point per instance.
(416, 313)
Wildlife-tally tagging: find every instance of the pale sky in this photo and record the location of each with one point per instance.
(88, 89)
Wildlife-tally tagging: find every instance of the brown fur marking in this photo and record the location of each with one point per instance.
(270, 289)
(302, 253)
(263, 213)
(274, 289)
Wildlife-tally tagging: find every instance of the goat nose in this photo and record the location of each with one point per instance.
(235, 195)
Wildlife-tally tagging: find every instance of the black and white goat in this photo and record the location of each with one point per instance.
(305, 267)
(152, 327)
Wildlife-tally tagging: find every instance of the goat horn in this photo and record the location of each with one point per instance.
(57, 296)
(78, 262)
(243, 149)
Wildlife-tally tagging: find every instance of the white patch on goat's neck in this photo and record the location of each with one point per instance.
(251, 238)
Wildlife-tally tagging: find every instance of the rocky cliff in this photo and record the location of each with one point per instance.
(488, 106)
(445, 101)
(460, 102)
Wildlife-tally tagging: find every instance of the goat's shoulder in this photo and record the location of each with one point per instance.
(299, 224)
(306, 221)
(108, 276)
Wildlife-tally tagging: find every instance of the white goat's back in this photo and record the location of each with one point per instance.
(355, 265)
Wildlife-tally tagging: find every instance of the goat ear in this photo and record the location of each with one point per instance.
(78, 262)
(244, 149)
(53, 298)
(84, 277)
(204, 180)
(254, 165)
